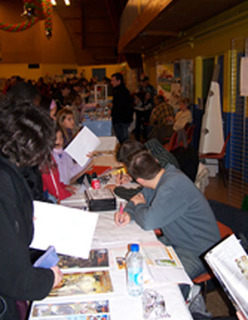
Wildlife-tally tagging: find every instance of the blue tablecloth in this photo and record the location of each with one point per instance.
(101, 128)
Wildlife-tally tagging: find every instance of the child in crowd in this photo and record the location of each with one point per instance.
(52, 185)
(78, 110)
(66, 166)
(66, 121)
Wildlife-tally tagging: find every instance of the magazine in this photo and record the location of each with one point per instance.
(82, 283)
(97, 258)
(71, 310)
(229, 263)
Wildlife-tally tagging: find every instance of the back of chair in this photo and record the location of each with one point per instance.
(225, 231)
(223, 151)
(190, 133)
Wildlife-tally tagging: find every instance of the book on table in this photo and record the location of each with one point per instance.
(82, 278)
(229, 262)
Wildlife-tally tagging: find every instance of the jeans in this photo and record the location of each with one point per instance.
(192, 264)
(121, 131)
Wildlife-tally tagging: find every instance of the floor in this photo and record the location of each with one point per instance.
(216, 300)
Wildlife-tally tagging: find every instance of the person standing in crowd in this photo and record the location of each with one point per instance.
(26, 139)
(122, 110)
(61, 96)
(146, 87)
(171, 202)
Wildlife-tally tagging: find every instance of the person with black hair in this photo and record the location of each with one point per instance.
(122, 110)
(171, 202)
(26, 139)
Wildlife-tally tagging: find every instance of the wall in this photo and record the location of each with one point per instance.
(214, 41)
(32, 47)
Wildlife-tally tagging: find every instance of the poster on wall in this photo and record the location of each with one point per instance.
(168, 80)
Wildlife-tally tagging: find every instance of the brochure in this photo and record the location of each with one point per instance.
(229, 262)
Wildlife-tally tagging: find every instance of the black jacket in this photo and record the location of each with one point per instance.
(19, 280)
(122, 111)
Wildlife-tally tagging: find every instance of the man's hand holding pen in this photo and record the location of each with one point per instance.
(122, 218)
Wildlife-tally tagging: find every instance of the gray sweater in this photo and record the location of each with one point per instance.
(180, 210)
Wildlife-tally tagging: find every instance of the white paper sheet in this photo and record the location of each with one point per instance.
(69, 230)
(107, 144)
(84, 142)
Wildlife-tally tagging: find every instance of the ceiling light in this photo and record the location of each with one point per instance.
(53, 2)
(67, 2)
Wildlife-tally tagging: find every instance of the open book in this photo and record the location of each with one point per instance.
(229, 262)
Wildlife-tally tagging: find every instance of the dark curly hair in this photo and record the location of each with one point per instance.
(27, 134)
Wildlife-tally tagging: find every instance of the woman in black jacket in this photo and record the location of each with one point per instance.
(26, 139)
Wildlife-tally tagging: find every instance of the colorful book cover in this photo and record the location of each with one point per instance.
(83, 310)
(83, 283)
(97, 258)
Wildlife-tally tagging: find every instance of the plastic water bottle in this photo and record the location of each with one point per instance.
(134, 265)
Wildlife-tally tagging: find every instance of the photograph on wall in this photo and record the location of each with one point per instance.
(168, 81)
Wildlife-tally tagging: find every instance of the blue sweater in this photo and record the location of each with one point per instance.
(178, 208)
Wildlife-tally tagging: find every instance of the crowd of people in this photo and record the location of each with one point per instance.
(37, 122)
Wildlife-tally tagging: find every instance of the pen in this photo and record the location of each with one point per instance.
(121, 212)
(121, 175)
(121, 208)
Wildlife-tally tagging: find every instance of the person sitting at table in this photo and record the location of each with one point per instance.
(67, 167)
(128, 147)
(66, 121)
(171, 202)
(26, 139)
(182, 117)
(161, 119)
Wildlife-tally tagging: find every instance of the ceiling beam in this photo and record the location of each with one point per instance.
(150, 12)
(159, 33)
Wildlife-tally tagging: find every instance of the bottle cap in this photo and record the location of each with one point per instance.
(134, 247)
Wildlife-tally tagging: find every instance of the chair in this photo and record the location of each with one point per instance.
(219, 157)
(190, 132)
(202, 279)
(174, 143)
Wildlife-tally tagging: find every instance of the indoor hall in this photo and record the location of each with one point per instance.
(181, 47)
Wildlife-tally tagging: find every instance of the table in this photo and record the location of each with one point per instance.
(116, 239)
(99, 127)
(123, 306)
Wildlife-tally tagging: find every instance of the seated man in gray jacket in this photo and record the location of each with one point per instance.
(169, 200)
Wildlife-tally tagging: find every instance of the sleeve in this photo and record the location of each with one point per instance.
(161, 208)
(52, 184)
(18, 278)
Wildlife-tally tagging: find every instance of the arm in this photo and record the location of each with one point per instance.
(161, 207)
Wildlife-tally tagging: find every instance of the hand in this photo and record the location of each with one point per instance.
(138, 198)
(72, 189)
(240, 316)
(110, 187)
(122, 178)
(91, 154)
(122, 219)
(58, 275)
